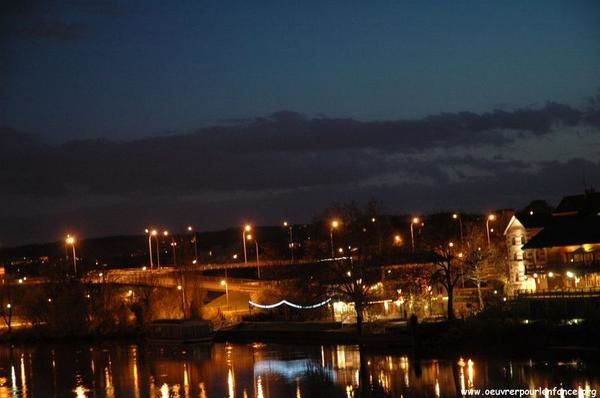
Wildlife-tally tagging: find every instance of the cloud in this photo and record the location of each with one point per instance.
(284, 150)
(53, 20)
(291, 164)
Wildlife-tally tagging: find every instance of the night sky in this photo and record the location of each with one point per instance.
(119, 115)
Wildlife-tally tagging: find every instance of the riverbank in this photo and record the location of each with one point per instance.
(487, 334)
(316, 332)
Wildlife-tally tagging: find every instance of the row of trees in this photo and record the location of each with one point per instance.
(441, 258)
(67, 306)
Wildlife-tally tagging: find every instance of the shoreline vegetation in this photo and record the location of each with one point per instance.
(486, 333)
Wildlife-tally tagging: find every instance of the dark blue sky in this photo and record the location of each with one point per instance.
(130, 69)
(115, 115)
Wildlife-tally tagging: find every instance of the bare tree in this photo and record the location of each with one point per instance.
(6, 306)
(447, 272)
(353, 276)
(483, 263)
(354, 282)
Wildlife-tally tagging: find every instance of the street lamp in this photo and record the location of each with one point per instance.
(165, 233)
(334, 225)
(174, 246)
(224, 283)
(414, 221)
(289, 227)
(457, 216)
(247, 228)
(70, 240)
(397, 240)
(155, 234)
(150, 235)
(249, 237)
(195, 241)
(489, 218)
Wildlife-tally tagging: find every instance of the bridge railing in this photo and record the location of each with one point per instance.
(562, 293)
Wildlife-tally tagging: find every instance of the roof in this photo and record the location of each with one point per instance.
(529, 221)
(535, 220)
(587, 203)
(567, 231)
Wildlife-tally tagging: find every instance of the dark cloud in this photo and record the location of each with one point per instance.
(285, 163)
(30, 19)
(285, 150)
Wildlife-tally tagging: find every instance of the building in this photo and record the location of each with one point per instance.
(522, 227)
(565, 254)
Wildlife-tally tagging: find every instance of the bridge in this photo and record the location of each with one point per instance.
(168, 277)
(261, 264)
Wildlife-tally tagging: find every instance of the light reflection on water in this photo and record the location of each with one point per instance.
(267, 371)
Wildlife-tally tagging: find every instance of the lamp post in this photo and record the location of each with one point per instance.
(489, 218)
(456, 216)
(174, 247)
(224, 283)
(334, 225)
(150, 235)
(155, 234)
(249, 237)
(70, 240)
(165, 233)
(414, 221)
(247, 228)
(195, 240)
(289, 227)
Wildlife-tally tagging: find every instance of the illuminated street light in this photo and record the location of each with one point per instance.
(334, 225)
(224, 283)
(414, 221)
(155, 233)
(249, 237)
(456, 216)
(289, 227)
(70, 240)
(150, 233)
(247, 228)
(195, 241)
(489, 218)
(397, 239)
(174, 247)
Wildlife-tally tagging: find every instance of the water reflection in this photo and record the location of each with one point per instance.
(268, 371)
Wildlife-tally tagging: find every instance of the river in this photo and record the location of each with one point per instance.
(118, 369)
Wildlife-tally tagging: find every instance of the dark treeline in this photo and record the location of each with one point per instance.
(311, 240)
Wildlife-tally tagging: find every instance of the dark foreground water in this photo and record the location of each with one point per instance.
(270, 371)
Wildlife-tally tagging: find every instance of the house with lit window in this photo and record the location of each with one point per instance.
(565, 254)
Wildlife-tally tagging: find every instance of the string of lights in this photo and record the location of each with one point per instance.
(290, 304)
